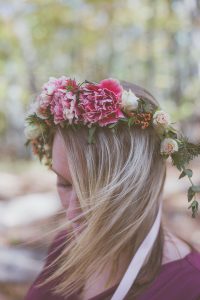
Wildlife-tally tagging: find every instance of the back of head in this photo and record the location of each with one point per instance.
(119, 181)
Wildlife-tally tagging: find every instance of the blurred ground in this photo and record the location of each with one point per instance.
(30, 211)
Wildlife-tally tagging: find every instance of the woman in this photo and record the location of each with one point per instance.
(111, 188)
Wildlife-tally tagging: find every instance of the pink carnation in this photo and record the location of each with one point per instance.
(99, 103)
(112, 85)
(54, 84)
(54, 96)
(63, 106)
(45, 99)
(71, 85)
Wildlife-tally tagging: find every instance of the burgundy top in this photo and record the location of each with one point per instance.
(177, 280)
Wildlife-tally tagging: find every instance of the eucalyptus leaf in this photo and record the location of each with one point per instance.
(129, 122)
(182, 175)
(185, 172)
(196, 188)
(124, 120)
(191, 194)
(194, 205)
(188, 172)
(112, 125)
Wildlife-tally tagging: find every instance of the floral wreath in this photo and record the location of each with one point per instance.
(63, 102)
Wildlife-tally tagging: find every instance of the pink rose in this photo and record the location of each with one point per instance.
(100, 103)
(169, 146)
(161, 118)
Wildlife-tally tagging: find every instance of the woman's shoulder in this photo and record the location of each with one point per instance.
(177, 279)
(179, 275)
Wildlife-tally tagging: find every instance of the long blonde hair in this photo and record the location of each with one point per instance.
(119, 182)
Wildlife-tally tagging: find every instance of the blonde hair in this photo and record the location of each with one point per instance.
(119, 182)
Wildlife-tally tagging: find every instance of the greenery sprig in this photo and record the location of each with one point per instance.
(187, 152)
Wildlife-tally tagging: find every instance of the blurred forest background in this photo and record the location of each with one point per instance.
(155, 44)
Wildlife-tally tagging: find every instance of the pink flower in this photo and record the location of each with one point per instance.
(45, 99)
(69, 107)
(112, 85)
(63, 106)
(169, 146)
(161, 118)
(71, 85)
(54, 99)
(54, 84)
(99, 103)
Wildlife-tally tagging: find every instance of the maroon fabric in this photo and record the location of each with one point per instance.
(177, 280)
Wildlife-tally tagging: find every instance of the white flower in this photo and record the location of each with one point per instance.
(46, 147)
(169, 146)
(40, 112)
(161, 118)
(32, 131)
(129, 100)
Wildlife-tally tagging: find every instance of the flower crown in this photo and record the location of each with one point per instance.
(63, 102)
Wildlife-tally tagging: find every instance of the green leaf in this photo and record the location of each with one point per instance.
(196, 188)
(124, 120)
(172, 129)
(129, 122)
(191, 194)
(91, 135)
(188, 172)
(187, 151)
(172, 134)
(185, 172)
(182, 175)
(194, 205)
(112, 125)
